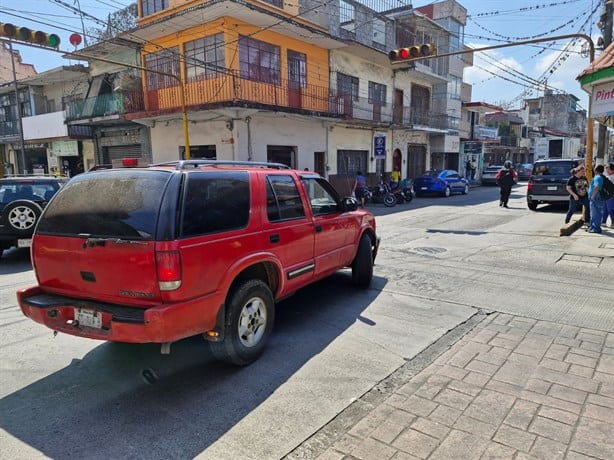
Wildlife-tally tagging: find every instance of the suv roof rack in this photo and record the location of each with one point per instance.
(184, 164)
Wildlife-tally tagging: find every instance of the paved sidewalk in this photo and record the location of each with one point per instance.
(512, 388)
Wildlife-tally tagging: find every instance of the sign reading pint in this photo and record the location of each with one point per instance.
(603, 100)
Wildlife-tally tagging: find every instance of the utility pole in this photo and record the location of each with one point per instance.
(21, 163)
(606, 28)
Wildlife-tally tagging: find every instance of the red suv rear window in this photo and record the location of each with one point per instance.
(113, 203)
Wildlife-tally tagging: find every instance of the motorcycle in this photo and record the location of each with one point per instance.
(381, 194)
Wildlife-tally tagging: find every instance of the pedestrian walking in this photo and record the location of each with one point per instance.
(506, 178)
(608, 209)
(468, 169)
(596, 201)
(577, 187)
(360, 186)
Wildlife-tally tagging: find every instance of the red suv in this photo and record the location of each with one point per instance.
(161, 253)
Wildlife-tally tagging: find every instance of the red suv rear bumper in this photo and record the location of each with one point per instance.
(158, 324)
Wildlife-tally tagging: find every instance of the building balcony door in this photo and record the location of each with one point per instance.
(297, 77)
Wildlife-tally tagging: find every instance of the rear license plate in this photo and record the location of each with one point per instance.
(24, 242)
(89, 318)
(423, 188)
(552, 187)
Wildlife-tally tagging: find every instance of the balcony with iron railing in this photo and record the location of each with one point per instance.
(9, 129)
(232, 90)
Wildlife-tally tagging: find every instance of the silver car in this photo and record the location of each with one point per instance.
(489, 174)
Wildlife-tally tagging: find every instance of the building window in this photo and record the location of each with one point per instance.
(204, 58)
(346, 16)
(259, 61)
(347, 86)
(152, 6)
(454, 87)
(160, 66)
(379, 31)
(377, 93)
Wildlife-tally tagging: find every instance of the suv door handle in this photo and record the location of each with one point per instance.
(318, 228)
(274, 238)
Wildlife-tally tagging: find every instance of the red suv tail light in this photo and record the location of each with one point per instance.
(168, 265)
(529, 185)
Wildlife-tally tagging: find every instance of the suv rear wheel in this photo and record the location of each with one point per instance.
(22, 215)
(250, 313)
(532, 205)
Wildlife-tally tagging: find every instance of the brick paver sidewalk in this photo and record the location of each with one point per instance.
(513, 388)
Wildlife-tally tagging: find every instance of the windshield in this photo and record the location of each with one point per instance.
(431, 173)
(120, 204)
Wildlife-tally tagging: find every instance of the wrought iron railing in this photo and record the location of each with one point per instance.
(231, 89)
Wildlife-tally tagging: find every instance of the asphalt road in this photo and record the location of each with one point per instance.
(442, 261)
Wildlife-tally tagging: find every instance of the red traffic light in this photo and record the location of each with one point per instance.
(412, 52)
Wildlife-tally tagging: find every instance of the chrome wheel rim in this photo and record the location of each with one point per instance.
(22, 218)
(252, 322)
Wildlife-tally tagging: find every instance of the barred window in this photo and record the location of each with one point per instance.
(347, 85)
(160, 66)
(377, 93)
(204, 58)
(259, 61)
(152, 6)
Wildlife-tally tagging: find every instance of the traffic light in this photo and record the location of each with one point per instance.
(412, 52)
(23, 34)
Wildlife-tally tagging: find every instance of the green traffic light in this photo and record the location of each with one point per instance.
(54, 40)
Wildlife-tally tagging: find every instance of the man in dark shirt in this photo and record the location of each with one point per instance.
(577, 187)
(506, 178)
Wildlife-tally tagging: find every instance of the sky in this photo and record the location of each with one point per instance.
(501, 77)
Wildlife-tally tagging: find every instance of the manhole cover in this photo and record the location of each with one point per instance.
(430, 250)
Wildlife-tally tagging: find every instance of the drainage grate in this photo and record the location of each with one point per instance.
(429, 250)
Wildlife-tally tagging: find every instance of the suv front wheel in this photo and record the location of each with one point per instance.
(21, 216)
(250, 312)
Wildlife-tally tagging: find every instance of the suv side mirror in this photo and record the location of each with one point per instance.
(348, 204)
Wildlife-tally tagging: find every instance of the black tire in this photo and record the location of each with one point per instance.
(389, 200)
(362, 265)
(408, 196)
(447, 191)
(466, 189)
(250, 313)
(532, 205)
(21, 216)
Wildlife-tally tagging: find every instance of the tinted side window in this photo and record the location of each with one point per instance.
(119, 203)
(322, 196)
(283, 199)
(215, 202)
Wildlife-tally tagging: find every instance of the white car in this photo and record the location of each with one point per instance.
(489, 174)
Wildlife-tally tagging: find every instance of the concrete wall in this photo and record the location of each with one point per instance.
(246, 140)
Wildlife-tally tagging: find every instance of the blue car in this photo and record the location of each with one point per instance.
(444, 182)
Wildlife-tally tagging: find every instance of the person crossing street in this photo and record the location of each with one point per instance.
(506, 178)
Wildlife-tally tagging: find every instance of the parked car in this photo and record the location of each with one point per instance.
(191, 247)
(22, 200)
(443, 182)
(524, 170)
(548, 181)
(489, 174)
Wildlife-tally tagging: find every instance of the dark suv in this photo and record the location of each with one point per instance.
(22, 200)
(156, 254)
(548, 180)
